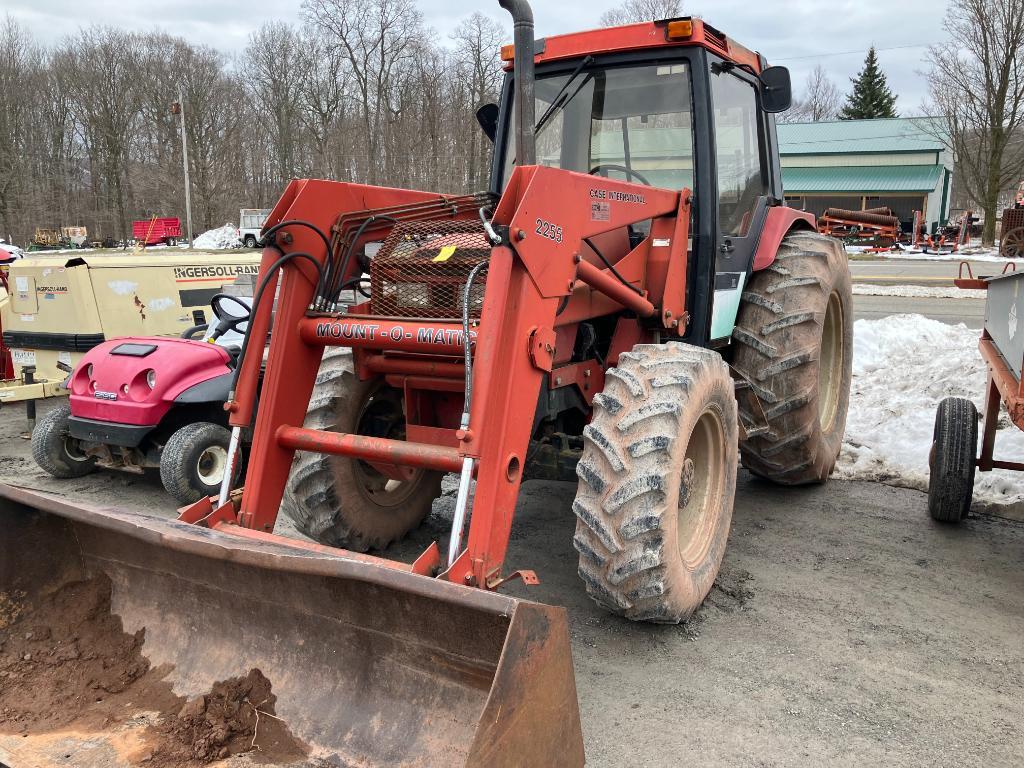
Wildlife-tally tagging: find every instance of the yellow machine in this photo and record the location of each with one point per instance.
(61, 306)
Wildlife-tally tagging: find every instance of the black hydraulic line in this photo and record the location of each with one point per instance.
(347, 259)
(613, 270)
(299, 223)
(257, 297)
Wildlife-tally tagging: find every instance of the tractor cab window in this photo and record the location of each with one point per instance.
(629, 123)
(742, 178)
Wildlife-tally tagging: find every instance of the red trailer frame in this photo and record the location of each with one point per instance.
(155, 231)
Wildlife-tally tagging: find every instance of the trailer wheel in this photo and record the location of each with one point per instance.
(347, 503)
(194, 460)
(656, 482)
(952, 460)
(793, 346)
(54, 450)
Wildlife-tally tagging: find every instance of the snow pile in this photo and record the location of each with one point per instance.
(218, 239)
(917, 291)
(903, 365)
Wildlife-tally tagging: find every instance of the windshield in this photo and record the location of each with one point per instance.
(629, 123)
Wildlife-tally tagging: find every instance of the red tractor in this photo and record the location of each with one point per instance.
(630, 304)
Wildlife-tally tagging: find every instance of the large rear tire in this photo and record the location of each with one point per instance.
(346, 503)
(793, 345)
(952, 461)
(657, 482)
(55, 451)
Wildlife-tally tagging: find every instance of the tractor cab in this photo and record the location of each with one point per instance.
(672, 105)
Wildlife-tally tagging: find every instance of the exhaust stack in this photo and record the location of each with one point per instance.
(525, 118)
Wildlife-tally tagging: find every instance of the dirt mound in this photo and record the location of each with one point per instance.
(63, 659)
(66, 661)
(236, 716)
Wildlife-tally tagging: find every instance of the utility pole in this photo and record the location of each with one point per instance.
(179, 109)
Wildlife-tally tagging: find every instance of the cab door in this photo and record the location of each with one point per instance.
(742, 180)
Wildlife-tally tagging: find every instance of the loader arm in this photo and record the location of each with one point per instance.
(547, 216)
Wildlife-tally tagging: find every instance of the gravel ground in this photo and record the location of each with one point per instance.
(845, 628)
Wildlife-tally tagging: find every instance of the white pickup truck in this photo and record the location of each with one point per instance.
(250, 223)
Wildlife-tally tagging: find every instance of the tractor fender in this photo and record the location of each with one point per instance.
(213, 390)
(779, 221)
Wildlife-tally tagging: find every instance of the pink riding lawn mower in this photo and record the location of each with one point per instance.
(140, 403)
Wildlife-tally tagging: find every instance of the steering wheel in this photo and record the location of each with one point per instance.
(226, 321)
(596, 170)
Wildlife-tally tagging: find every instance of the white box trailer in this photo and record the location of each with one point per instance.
(62, 306)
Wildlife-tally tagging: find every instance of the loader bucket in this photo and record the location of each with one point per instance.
(369, 665)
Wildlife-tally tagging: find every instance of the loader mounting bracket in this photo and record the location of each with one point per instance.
(529, 579)
(542, 348)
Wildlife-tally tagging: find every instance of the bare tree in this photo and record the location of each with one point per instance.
(976, 83)
(633, 11)
(19, 60)
(362, 93)
(104, 66)
(273, 68)
(325, 89)
(377, 38)
(478, 43)
(821, 100)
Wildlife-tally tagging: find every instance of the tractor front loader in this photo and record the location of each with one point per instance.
(630, 306)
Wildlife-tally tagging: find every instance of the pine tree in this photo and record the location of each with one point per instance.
(871, 96)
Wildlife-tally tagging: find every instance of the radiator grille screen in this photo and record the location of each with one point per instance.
(421, 270)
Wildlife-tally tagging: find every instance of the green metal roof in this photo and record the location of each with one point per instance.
(862, 179)
(898, 134)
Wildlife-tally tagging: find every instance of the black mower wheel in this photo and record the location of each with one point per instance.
(348, 503)
(54, 450)
(952, 460)
(657, 481)
(793, 346)
(193, 462)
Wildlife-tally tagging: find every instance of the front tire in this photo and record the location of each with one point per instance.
(657, 482)
(952, 461)
(344, 502)
(793, 346)
(55, 451)
(193, 463)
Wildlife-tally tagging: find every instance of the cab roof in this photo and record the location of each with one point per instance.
(634, 37)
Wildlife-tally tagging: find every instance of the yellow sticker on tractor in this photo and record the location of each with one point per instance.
(446, 253)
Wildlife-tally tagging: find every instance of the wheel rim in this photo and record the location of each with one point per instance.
(1012, 244)
(701, 486)
(830, 363)
(72, 451)
(382, 416)
(211, 465)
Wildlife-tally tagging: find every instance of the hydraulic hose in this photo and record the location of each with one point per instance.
(466, 477)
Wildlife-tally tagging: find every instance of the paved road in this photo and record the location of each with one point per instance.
(891, 272)
(915, 272)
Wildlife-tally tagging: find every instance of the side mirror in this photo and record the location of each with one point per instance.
(487, 116)
(776, 89)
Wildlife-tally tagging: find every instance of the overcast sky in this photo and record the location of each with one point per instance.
(797, 33)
